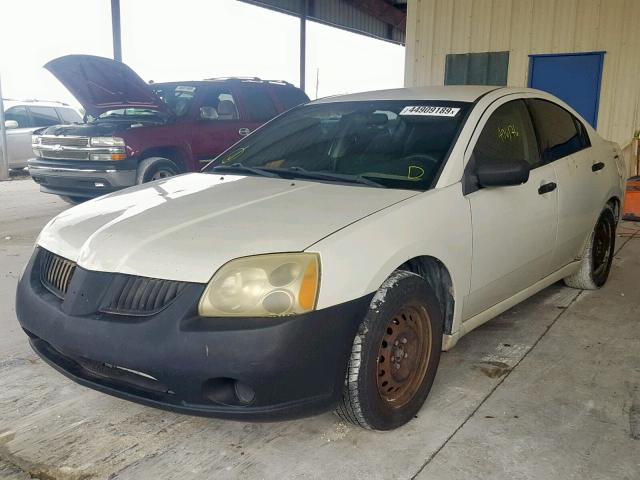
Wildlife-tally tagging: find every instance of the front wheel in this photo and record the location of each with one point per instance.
(395, 355)
(73, 200)
(156, 168)
(598, 255)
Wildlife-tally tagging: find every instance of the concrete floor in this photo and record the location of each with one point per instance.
(550, 389)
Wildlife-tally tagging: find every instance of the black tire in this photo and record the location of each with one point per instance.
(366, 401)
(598, 255)
(156, 168)
(73, 200)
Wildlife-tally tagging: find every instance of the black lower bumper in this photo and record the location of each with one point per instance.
(82, 179)
(236, 368)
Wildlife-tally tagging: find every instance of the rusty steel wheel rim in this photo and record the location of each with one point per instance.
(404, 355)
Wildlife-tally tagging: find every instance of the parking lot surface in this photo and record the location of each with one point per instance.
(550, 389)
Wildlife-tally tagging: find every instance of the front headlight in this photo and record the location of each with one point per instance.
(107, 142)
(263, 286)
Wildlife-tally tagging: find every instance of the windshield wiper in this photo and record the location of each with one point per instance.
(343, 177)
(238, 167)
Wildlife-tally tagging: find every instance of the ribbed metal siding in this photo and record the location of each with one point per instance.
(524, 27)
(56, 273)
(337, 13)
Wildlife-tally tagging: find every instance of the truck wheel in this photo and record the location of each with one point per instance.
(598, 255)
(155, 168)
(73, 200)
(395, 355)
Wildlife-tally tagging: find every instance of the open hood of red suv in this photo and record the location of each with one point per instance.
(101, 84)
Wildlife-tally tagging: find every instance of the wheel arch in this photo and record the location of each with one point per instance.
(173, 153)
(437, 275)
(616, 204)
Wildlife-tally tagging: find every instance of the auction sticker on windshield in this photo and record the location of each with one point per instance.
(430, 111)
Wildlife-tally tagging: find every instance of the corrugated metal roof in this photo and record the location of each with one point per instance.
(382, 19)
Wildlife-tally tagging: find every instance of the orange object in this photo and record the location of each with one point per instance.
(632, 200)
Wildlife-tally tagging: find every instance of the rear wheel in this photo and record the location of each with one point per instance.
(598, 256)
(394, 356)
(156, 168)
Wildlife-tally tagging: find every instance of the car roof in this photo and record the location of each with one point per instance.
(8, 103)
(457, 93)
(223, 80)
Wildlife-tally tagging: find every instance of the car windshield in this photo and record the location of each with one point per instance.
(395, 144)
(177, 97)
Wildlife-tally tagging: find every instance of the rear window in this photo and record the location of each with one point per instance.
(290, 96)
(560, 133)
(258, 104)
(69, 115)
(44, 116)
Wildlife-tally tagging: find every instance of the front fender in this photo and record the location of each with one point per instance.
(357, 259)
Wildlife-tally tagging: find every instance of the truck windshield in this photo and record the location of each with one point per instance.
(395, 144)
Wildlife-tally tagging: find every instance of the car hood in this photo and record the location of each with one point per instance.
(101, 84)
(186, 227)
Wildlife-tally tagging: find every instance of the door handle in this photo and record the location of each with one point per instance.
(244, 132)
(597, 166)
(547, 187)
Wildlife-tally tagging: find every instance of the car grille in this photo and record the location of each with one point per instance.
(65, 141)
(56, 273)
(133, 295)
(65, 154)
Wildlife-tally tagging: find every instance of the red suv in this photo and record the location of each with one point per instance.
(137, 132)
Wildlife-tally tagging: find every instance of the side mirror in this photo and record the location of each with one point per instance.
(492, 173)
(208, 113)
(11, 124)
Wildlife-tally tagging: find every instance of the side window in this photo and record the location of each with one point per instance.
(561, 134)
(20, 115)
(290, 96)
(44, 116)
(258, 103)
(218, 105)
(508, 135)
(68, 115)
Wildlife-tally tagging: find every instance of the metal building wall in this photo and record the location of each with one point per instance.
(338, 13)
(438, 27)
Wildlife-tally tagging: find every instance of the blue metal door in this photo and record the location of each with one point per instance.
(572, 77)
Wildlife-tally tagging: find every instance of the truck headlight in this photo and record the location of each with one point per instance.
(263, 286)
(107, 142)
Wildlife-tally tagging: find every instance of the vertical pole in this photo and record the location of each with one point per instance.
(303, 42)
(115, 30)
(4, 155)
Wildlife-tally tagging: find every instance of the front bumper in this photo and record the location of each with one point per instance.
(81, 179)
(176, 360)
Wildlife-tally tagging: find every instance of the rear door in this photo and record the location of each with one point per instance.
(217, 124)
(565, 144)
(514, 227)
(257, 104)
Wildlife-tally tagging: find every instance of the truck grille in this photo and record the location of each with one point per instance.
(133, 295)
(66, 154)
(65, 141)
(55, 273)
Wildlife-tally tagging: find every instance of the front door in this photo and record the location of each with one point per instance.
(574, 78)
(514, 227)
(217, 124)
